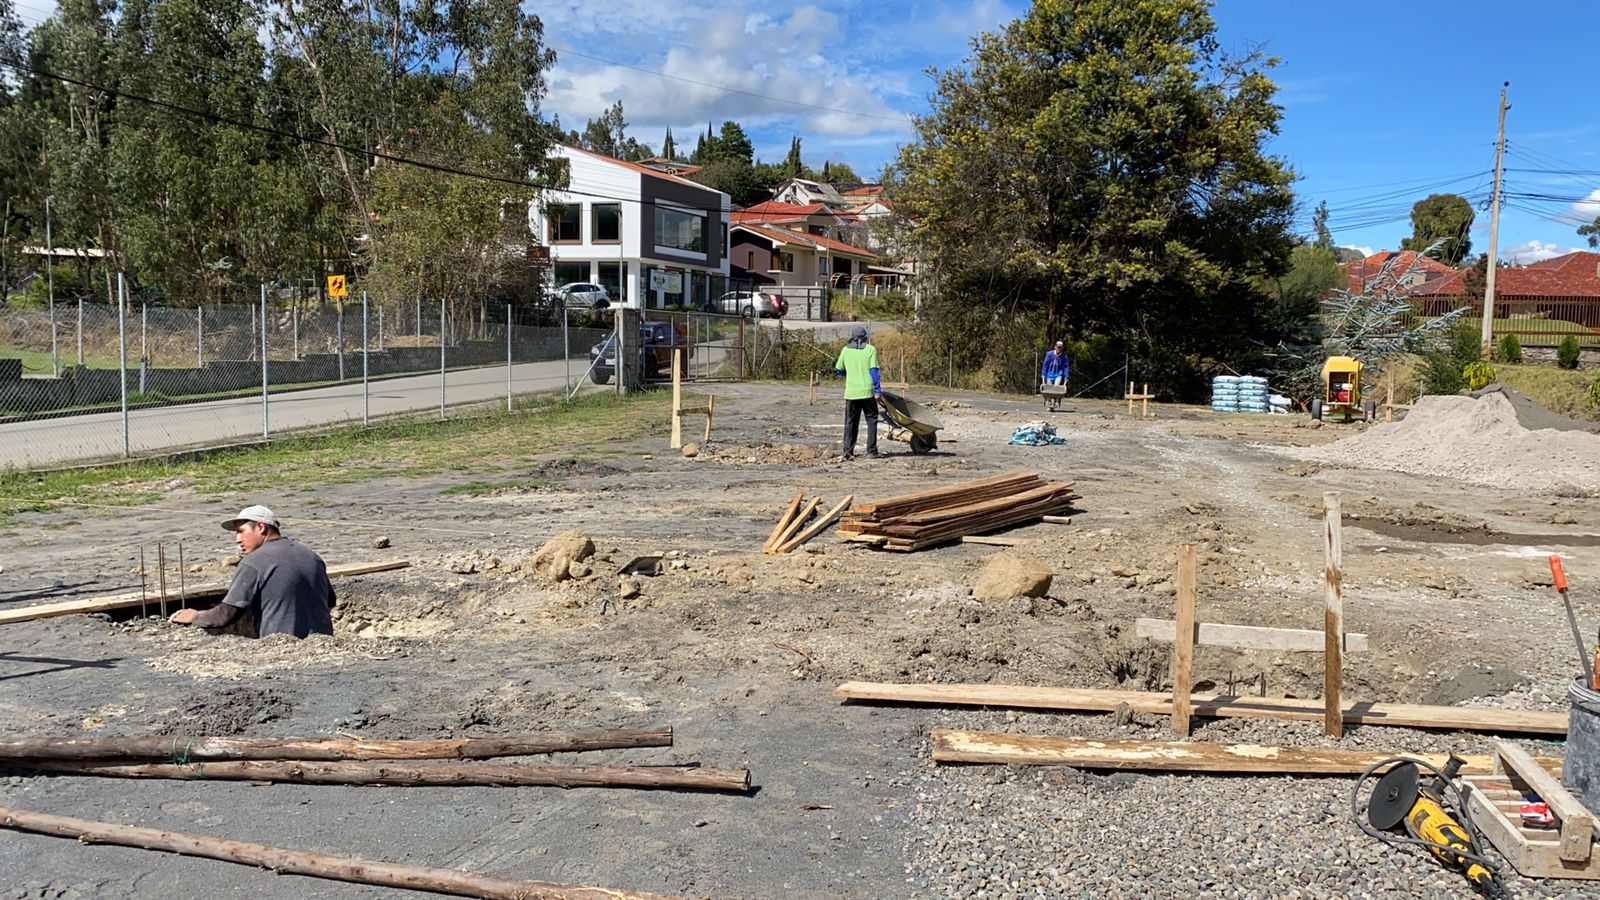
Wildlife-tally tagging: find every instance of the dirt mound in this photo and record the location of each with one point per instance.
(1530, 414)
(555, 559)
(571, 468)
(770, 454)
(1481, 440)
(226, 713)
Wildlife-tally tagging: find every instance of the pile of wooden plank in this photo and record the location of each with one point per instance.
(788, 533)
(940, 515)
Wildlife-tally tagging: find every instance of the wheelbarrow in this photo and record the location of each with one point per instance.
(1053, 395)
(911, 422)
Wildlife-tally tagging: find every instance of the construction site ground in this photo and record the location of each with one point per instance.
(739, 652)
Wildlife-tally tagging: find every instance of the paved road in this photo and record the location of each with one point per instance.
(71, 439)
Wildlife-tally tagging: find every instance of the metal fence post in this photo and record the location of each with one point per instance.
(508, 356)
(80, 331)
(266, 426)
(366, 390)
(618, 370)
(144, 344)
(566, 354)
(200, 337)
(50, 280)
(380, 329)
(339, 331)
(294, 327)
(122, 356)
(417, 335)
(441, 359)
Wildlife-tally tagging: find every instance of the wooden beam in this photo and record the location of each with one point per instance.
(126, 601)
(677, 401)
(185, 749)
(793, 527)
(1183, 646)
(1249, 637)
(994, 540)
(1399, 715)
(711, 406)
(1056, 520)
(1333, 616)
(1577, 824)
(306, 862)
(1040, 750)
(817, 526)
(783, 521)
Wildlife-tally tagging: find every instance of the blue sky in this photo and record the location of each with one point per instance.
(1384, 103)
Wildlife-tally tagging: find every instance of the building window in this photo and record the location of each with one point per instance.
(786, 261)
(565, 224)
(569, 272)
(750, 261)
(611, 280)
(680, 230)
(822, 267)
(608, 223)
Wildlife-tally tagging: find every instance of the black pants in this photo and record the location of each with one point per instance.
(853, 411)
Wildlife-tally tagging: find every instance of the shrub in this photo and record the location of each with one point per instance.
(1567, 352)
(1509, 350)
(1594, 392)
(1478, 374)
(1466, 343)
(1441, 374)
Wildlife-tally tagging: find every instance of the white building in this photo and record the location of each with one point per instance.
(651, 238)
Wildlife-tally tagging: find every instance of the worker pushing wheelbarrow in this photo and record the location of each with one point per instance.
(911, 422)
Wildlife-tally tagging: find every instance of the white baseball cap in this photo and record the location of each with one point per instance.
(251, 514)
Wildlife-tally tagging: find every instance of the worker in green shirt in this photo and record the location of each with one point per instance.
(858, 363)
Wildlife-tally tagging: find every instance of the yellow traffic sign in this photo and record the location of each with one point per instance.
(336, 286)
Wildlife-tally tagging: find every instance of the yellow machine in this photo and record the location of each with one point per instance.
(1341, 390)
(1402, 797)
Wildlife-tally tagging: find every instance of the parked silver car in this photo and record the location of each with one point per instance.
(752, 304)
(583, 295)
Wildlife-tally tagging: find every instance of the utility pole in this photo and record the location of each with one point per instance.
(1494, 227)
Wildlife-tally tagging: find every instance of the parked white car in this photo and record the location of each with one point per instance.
(583, 295)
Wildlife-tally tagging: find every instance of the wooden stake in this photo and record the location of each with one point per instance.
(186, 749)
(1144, 410)
(783, 521)
(439, 775)
(161, 580)
(306, 862)
(813, 389)
(677, 401)
(1130, 399)
(816, 527)
(1333, 616)
(1183, 646)
(793, 527)
(1388, 407)
(711, 404)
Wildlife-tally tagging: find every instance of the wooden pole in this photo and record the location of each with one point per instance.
(1183, 646)
(711, 405)
(187, 749)
(440, 775)
(816, 527)
(813, 389)
(306, 862)
(677, 401)
(793, 527)
(1130, 399)
(1388, 406)
(1144, 400)
(783, 521)
(1333, 617)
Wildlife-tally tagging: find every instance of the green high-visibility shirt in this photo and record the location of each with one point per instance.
(857, 364)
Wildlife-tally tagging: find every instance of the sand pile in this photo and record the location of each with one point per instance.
(1530, 414)
(1482, 440)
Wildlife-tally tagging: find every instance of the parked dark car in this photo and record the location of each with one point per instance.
(657, 340)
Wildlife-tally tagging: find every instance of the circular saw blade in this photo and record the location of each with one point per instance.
(1393, 797)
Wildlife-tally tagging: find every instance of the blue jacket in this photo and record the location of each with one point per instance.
(1054, 364)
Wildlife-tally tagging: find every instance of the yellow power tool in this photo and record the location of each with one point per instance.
(1401, 796)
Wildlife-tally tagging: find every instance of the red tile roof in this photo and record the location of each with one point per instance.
(1360, 272)
(809, 241)
(869, 190)
(1573, 275)
(776, 211)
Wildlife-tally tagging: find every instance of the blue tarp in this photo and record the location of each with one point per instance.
(1037, 433)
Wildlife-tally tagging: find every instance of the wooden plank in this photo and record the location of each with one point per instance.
(996, 485)
(954, 746)
(1576, 822)
(126, 601)
(794, 524)
(1183, 646)
(711, 407)
(783, 520)
(980, 507)
(1534, 854)
(1056, 520)
(1249, 637)
(816, 527)
(1398, 715)
(1333, 617)
(677, 400)
(994, 540)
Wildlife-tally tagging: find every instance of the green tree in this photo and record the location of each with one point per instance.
(1591, 231)
(669, 150)
(733, 144)
(1103, 161)
(792, 166)
(608, 134)
(837, 173)
(1319, 223)
(1443, 219)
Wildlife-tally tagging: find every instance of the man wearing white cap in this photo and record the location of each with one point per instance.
(282, 585)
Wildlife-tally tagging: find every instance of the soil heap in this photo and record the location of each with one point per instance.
(1499, 438)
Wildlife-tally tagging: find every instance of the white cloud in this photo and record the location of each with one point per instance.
(1534, 251)
(1588, 209)
(1364, 251)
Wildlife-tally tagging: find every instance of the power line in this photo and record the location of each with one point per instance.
(902, 119)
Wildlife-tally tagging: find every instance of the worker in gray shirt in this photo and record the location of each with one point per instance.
(283, 585)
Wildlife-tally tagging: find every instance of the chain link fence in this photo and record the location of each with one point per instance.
(94, 382)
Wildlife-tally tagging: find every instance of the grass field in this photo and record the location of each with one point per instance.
(37, 362)
(1530, 330)
(491, 445)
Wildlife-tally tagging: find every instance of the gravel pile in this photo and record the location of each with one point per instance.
(1021, 831)
(1480, 440)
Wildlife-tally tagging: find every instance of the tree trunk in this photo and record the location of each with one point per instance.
(442, 775)
(307, 862)
(187, 749)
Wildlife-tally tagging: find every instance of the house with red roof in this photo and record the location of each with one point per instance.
(1407, 267)
(790, 257)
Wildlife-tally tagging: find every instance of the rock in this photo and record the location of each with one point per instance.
(628, 587)
(196, 569)
(381, 542)
(647, 456)
(691, 450)
(1435, 581)
(554, 560)
(231, 560)
(1006, 576)
(1122, 715)
(464, 565)
(579, 569)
